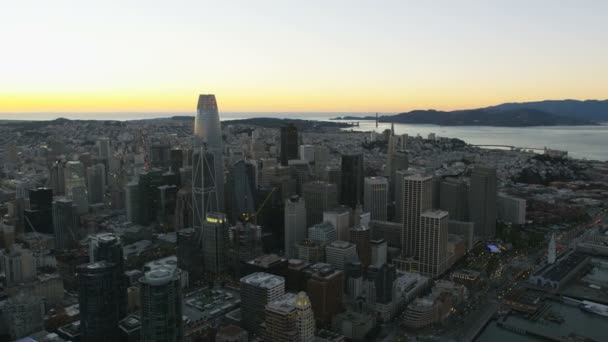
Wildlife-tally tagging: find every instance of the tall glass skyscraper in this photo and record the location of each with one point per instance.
(352, 180)
(208, 161)
(161, 305)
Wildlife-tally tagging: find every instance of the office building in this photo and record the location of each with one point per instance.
(465, 230)
(310, 251)
(289, 144)
(340, 218)
(161, 305)
(257, 290)
(319, 196)
(511, 209)
(379, 252)
(482, 201)
(18, 264)
(107, 247)
(307, 153)
(375, 197)
(295, 224)
(208, 161)
(290, 319)
(326, 289)
(242, 189)
(215, 240)
(321, 158)
(454, 198)
(338, 253)
(96, 183)
(39, 218)
(23, 315)
(433, 243)
(361, 236)
(98, 297)
(103, 148)
(416, 198)
(352, 174)
(189, 252)
(324, 233)
(65, 223)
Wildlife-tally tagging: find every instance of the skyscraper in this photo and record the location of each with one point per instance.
(351, 193)
(189, 253)
(215, 240)
(295, 224)
(361, 236)
(326, 289)
(208, 161)
(375, 197)
(482, 201)
(338, 253)
(340, 218)
(289, 144)
(242, 189)
(98, 297)
(107, 247)
(104, 150)
(96, 182)
(290, 318)
(65, 223)
(433, 242)
(257, 290)
(319, 196)
(161, 305)
(454, 198)
(39, 217)
(417, 197)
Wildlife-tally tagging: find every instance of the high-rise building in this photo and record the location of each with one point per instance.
(161, 305)
(352, 168)
(289, 144)
(18, 264)
(96, 183)
(310, 251)
(379, 251)
(183, 208)
(510, 209)
(242, 189)
(189, 253)
(323, 233)
(257, 290)
(98, 297)
(307, 153)
(380, 279)
(133, 199)
(39, 217)
(321, 157)
(375, 197)
(295, 224)
(326, 289)
(417, 196)
(482, 201)
(215, 241)
(338, 253)
(361, 236)
(454, 198)
(290, 318)
(107, 247)
(104, 149)
(208, 161)
(319, 196)
(340, 218)
(65, 223)
(56, 179)
(433, 243)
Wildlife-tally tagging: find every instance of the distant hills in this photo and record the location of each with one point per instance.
(541, 113)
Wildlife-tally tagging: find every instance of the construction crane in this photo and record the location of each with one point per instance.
(246, 217)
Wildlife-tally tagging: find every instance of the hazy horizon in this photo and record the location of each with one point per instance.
(274, 56)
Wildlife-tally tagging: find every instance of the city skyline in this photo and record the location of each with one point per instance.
(274, 57)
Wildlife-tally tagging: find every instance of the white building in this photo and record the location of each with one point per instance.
(338, 252)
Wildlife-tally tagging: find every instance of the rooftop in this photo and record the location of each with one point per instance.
(263, 280)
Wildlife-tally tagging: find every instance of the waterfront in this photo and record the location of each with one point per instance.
(575, 321)
(580, 141)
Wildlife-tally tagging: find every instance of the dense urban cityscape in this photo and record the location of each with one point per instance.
(177, 229)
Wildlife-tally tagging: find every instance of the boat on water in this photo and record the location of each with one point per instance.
(598, 309)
